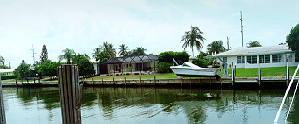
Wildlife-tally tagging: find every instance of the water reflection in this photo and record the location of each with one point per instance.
(47, 96)
(135, 105)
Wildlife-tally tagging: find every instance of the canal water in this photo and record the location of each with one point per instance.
(150, 106)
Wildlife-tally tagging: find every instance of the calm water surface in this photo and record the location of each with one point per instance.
(149, 106)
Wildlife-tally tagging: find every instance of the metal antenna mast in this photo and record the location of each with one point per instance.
(241, 27)
(227, 41)
(33, 54)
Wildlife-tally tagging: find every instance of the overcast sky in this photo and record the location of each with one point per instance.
(157, 25)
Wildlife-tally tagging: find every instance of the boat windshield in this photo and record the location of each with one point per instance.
(184, 64)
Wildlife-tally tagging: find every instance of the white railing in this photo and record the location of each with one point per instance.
(285, 96)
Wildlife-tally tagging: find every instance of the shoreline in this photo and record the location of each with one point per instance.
(204, 83)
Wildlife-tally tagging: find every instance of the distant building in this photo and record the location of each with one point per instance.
(7, 72)
(274, 56)
(129, 64)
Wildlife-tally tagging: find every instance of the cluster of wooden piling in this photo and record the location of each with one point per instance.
(70, 94)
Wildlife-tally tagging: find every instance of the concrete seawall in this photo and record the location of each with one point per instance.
(207, 83)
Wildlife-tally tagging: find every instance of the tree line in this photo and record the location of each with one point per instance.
(46, 67)
(192, 38)
(107, 51)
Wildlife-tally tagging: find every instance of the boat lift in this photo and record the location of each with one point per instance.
(285, 96)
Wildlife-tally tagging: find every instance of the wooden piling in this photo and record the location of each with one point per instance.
(140, 78)
(113, 81)
(233, 75)
(70, 94)
(2, 111)
(259, 76)
(287, 75)
(125, 81)
(92, 81)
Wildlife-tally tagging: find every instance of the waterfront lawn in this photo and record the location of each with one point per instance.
(253, 72)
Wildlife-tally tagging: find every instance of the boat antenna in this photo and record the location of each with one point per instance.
(175, 61)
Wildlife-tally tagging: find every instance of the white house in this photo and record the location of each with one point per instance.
(274, 56)
(7, 72)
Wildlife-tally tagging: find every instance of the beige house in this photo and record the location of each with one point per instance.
(130, 64)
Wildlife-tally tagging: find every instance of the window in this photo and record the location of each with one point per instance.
(240, 59)
(225, 59)
(186, 65)
(252, 59)
(264, 58)
(276, 58)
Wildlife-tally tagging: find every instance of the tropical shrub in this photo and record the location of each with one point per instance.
(164, 67)
(168, 56)
(201, 62)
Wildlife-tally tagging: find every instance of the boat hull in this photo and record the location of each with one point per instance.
(185, 72)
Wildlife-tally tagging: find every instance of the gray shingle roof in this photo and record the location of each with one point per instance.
(257, 51)
(133, 59)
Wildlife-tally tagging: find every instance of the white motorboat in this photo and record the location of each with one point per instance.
(188, 69)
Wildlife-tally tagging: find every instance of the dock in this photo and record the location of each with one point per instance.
(210, 83)
(206, 83)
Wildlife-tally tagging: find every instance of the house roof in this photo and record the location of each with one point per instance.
(133, 59)
(257, 51)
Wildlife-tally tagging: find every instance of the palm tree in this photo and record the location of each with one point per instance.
(68, 55)
(193, 38)
(1, 60)
(216, 47)
(138, 51)
(123, 50)
(254, 44)
(108, 49)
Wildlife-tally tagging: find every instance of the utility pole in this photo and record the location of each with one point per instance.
(241, 27)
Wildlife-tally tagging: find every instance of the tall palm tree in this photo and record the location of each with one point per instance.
(123, 50)
(216, 47)
(193, 38)
(1, 60)
(108, 49)
(68, 55)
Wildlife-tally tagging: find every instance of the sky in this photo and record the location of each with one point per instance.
(157, 25)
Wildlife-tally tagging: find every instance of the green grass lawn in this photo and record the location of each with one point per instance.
(241, 72)
(253, 72)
